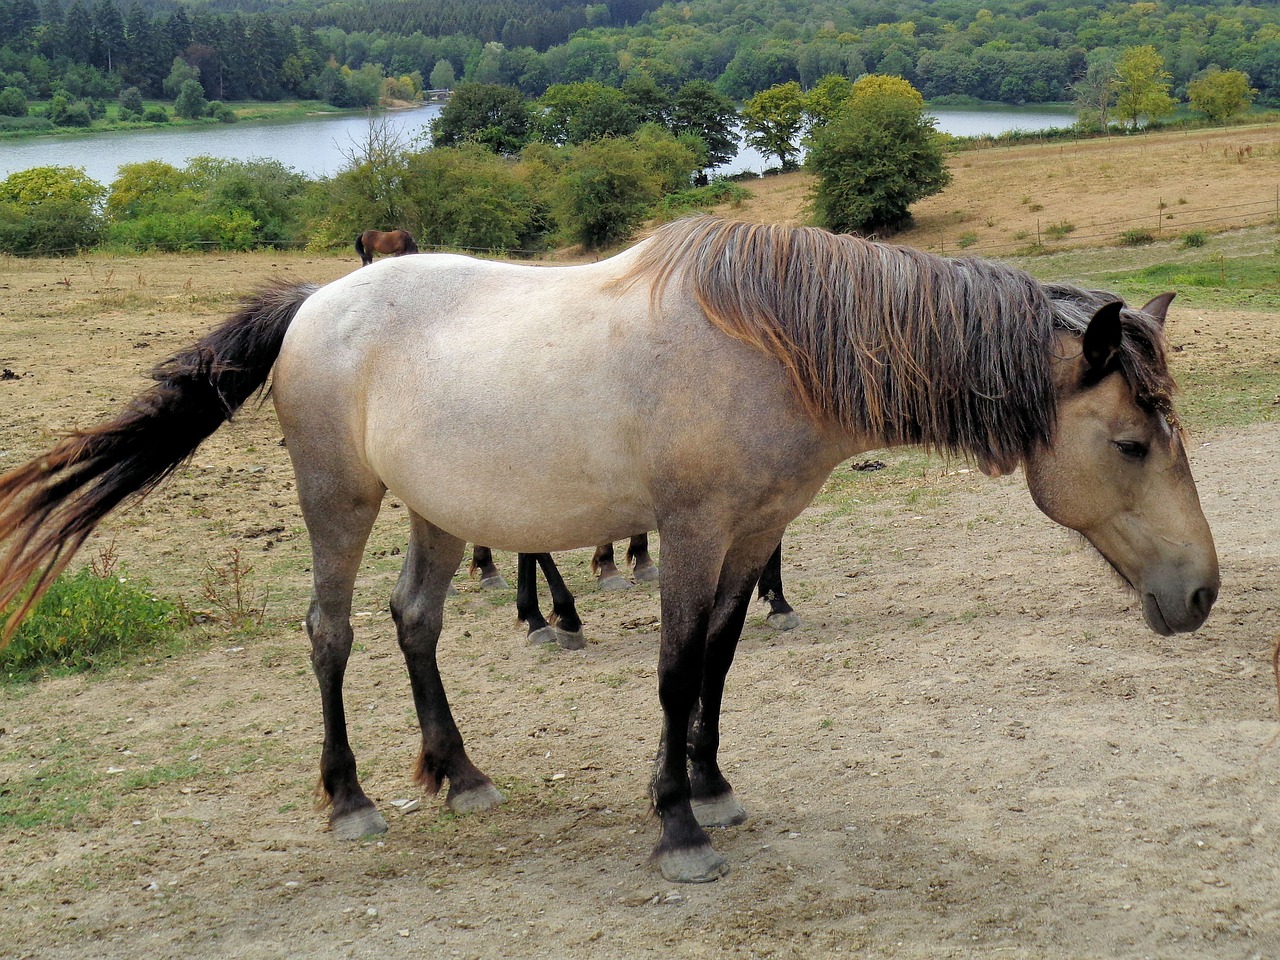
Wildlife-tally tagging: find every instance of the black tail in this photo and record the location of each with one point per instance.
(48, 507)
(365, 258)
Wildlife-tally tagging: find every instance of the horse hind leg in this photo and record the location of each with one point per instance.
(482, 564)
(417, 606)
(642, 566)
(603, 565)
(339, 511)
(781, 615)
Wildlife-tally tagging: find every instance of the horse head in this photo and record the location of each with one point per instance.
(1116, 470)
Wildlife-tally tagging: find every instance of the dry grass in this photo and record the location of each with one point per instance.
(1003, 198)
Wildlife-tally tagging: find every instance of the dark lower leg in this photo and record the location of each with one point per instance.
(482, 564)
(417, 608)
(527, 609)
(642, 564)
(564, 611)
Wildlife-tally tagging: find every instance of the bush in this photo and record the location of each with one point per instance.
(606, 191)
(190, 230)
(156, 114)
(47, 210)
(25, 124)
(1137, 237)
(699, 199)
(83, 618)
(13, 102)
(1194, 238)
(1056, 231)
(221, 112)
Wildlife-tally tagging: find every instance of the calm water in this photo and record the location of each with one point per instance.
(320, 146)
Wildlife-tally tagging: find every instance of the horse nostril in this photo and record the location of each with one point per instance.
(1202, 600)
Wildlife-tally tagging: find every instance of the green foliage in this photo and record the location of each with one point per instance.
(13, 102)
(1141, 86)
(699, 109)
(877, 156)
(1194, 238)
(156, 114)
(47, 210)
(466, 197)
(489, 114)
(1221, 94)
(718, 192)
(1057, 231)
(212, 203)
(573, 113)
(219, 111)
(83, 619)
(180, 74)
(773, 120)
(191, 102)
(606, 191)
(1137, 237)
(131, 105)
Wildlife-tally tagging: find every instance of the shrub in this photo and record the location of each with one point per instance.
(1194, 238)
(47, 210)
(698, 199)
(156, 114)
(1056, 231)
(221, 112)
(605, 192)
(967, 240)
(1137, 237)
(83, 618)
(13, 102)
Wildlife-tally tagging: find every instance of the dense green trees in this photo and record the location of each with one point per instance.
(1221, 94)
(1010, 50)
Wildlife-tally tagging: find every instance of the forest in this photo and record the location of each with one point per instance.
(1012, 51)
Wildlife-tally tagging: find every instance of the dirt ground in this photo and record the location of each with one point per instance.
(971, 748)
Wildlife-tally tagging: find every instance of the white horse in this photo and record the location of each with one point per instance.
(703, 384)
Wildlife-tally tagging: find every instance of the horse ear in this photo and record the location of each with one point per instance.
(1101, 343)
(1158, 307)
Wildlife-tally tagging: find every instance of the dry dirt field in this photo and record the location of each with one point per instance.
(1003, 197)
(971, 748)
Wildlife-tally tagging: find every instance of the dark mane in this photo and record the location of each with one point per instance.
(951, 354)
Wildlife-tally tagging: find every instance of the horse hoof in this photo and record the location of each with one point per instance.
(697, 865)
(476, 800)
(543, 635)
(615, 582)
(646, 574)
(358, 824)
(496, 582)
(722, 811)
(570, 641)
(782, 621)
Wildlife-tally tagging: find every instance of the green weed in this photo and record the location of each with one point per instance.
(84, 619)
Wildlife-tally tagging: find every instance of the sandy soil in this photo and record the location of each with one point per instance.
(971, 748)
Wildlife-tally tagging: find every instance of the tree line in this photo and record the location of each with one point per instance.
(587, 166)
(1000, 50)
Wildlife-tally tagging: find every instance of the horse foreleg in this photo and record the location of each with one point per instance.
(714, 802)
(684, 852)
(606, 569)
(337, 543)
(417, 606)
(781, 615)
(642, 566)
(482, 563)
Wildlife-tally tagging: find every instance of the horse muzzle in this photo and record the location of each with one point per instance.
(1168, 611)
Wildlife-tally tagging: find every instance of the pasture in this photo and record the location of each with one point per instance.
(972, 747)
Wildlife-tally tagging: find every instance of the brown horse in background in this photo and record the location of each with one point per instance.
(393, 242)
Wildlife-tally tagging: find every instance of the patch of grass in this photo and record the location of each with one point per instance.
(1213, 281)
(87, 618)
(1057, 231)
(696, 199)
(1194, 238)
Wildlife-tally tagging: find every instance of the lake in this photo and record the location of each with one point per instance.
(320, 146)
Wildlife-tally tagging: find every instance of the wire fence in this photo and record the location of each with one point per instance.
(1165, 222)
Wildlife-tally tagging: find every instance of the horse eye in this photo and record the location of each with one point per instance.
(1132, 449)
